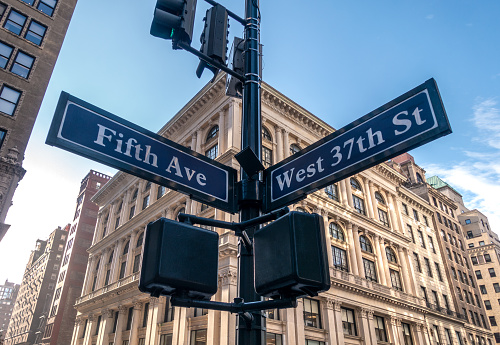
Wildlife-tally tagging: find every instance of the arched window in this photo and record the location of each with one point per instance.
(355, 185)
(147, 186)
(125, 249)
(391, 256)
(212, 133)
(294, 148)
(365, 244)
(379, 198)
(332, 192)
(419, 178)
(134, 194)
(110, 259)
(265, 134)
(140, 239)
(336, 232)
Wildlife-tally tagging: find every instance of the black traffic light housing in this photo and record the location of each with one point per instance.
(214, 38)
(234, 86)
(290, 257)
(174, 20)
(179, 259)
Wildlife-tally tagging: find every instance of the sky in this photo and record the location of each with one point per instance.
(337, 59)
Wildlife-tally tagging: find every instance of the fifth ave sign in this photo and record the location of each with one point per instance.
(406, 122)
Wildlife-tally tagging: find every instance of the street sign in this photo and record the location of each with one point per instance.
(409, 121)
(91, 132)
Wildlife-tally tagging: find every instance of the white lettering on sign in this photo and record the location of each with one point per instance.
(174, 163)
(288, 176)
(105, 134)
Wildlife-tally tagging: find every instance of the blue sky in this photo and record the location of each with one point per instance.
(338, 59)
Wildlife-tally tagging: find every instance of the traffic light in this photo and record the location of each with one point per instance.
(290, 257)
(174, 20)
(214, 38)
(234, 86)
(179, 259)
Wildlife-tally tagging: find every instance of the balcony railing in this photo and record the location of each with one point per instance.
(124, 281)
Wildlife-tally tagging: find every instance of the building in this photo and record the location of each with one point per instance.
(31, 36)
(389, 283)
(8, 295)
(484, 250)
(37, 288)
(59, 327)
(447, 204)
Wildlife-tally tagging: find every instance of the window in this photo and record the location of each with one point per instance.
(122, 269)
(446, 302)
(380, 328)
(348, 321)
(35, 33)
(449, 254)
(339, 259)
(145, 202)
(273, 339)
(417, 262)
(479, 275)
(492, 272)
(487, 258)
(438, 271)
(448, 336)
(428, 266)
(132, 212)
(467, 221)
(421, 238)
(129, 318)
(474, 260)
(266, 135)
(15, 22)
(117, 224)
(482, 288)
(9, 99)
(487, 304)
(359, 205)
(166, 339)
(370, 272)
(311, 313)
(382, 216)
(145, 315)
(294, 149)
(200, 312)
(391, 256)
(273, 314)
(267, 157)
(2, 136)
(481, 243)
(496, 286)
(406, 334)
(212, 152)
(160, 192)
(137, 261)
(336, 232)
(355, 185)
(415, 215)
(332, 192)
(2, 9)
(169, 312)
(431, 244)
(198, 337)
(5, 54)
(314, 342)
(365, 244)
(426, 221)
(395, 280)
(213, 132)
(410, 231)
(22, 64)
(405, 209)
(436, 335)
(126, 247)
(459, 294)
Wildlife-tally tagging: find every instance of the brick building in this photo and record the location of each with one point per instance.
(8, 295)
(31, 36)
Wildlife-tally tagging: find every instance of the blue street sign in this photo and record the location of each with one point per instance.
(86, 130)
(408, 121)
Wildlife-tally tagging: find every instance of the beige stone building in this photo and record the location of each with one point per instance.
(31, 36)
(387, 288)
(484, 250)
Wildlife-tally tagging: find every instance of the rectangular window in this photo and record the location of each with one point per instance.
(492, 272)
(47, 6)
(417, 262)
(447, 333)
(459, 294)
(106, 281)
(273, 339)
(359, 205)
(122, 269)
(382, 216)
(407, 340)
(431, 244)
(311, 313)
(405, 209)
(2, 136)
(428, 266)
(145, 315)
(9, 99)
(410, 231)
(129, 318)
(438, 271)
(487, 258)
(395, 280)
(212, 152)
(446, 302)
(421, 238)
(145, 202)
(348, 321)
(459, 337)
(166, 339)
(426, 221)
(2, 9)
(35, 33)
(198, 337)
(5, 54)
(339, 259)
(117, 223)
(436, 334)
(267, 157)
(482, 288)
(137, 261)
(132, 212)
(415, 215)
(380, 332)
(22, 64)
(496, 286)
(15, 22)
(370, 272)
(161, 192)
(314, 342)
(474, 260)
(487, 304)
(332, 192)
(479, 275)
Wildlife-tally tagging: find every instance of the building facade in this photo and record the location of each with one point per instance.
(61, 318)
(389, 284)
(8, 295)
(31, 36)
(484, 250)
(37, 288)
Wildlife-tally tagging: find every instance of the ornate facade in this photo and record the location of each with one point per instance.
(383, 280)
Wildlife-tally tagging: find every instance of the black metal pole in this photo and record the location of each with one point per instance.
(250, 332)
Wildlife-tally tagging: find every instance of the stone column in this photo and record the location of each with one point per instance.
(153, 321)
(394, 331)
(348, 189)
(76, 331)
(369, 315)
(392, 213)
(115, 271)
(343, 193)
(286, 144)
(87, 339)
(100, 224)
(106, 327)
(136, 318)
(130, 255)
(189, 208)
(371, 188)
(365, 326)
(385, 262)
(228, 287)
(324, 214)
(299, 319)
(90, 265)
(122, 317)
(411, 271)
(398, 215)
(102, 268)
(112, 217)
(222, 132)
(405, 273)
(359, 256)
(420, 334)
(279, 144)
(352, 250)
(335, 328)
(125, 206)
(290, 336)
(379, 261)
(198, 141)
(369, 198)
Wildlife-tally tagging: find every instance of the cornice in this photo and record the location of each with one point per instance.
(109, 189)
(415, 200)
(389, 173)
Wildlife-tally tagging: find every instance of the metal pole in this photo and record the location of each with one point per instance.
(250, 332)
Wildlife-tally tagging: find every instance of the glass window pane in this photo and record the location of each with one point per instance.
(5, 53)
(15, 22)
(47, 6)
(8, 100)
(35, 33)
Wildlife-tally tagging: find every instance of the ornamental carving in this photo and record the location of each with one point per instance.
(228, 276)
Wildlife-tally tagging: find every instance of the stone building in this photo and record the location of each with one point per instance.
(37, 288)
(484, 250)
(31, 36)
(8, 295)
(61, 318)
(388, 277)
(447, 204)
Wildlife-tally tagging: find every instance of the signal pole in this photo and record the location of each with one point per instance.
(250, 331)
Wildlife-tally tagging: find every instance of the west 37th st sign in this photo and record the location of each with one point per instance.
(408, 121)
(89, 131)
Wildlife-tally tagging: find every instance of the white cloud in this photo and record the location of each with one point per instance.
(486, 118)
